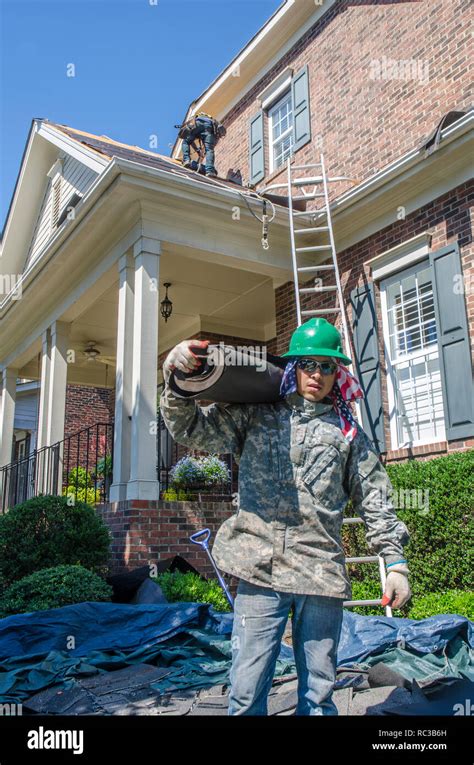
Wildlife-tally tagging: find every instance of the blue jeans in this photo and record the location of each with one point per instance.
(260, 616)
(203, 129)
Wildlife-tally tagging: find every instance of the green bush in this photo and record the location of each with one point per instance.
(53, 588)
(171, 495)
(81, 486)
(190, 588)
(191, 472)
(46, 531)
(451, 602)
(440, 551)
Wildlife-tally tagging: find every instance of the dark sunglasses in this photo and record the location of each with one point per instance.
(310, 366)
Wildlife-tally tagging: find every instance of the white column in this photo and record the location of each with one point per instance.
(44, 389)
(123, 380)
(143, 483)
(7, 414)
(57, 382)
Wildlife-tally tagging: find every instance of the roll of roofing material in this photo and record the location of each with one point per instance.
(233, 375)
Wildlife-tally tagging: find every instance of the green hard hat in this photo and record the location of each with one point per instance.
(317, 337)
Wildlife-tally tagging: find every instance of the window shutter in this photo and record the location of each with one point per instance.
(453, 342)
(301, 110)
(256, 148)
(367, 362)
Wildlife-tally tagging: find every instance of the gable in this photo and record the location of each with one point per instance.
(65, 180)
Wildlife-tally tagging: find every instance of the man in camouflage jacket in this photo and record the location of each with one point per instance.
(297, 472)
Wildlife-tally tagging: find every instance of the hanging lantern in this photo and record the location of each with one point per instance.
(166, 304)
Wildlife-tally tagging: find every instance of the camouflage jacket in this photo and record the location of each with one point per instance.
(296, 475)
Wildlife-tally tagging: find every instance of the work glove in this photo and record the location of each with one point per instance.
(397, 587)
(182, 357)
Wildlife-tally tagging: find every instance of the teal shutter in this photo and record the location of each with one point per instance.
(256, 148)
(367, 362)
(301, 111)
(453, 342)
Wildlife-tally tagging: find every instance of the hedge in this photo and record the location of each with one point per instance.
(46, 531)
(53, 588)
(440, 552)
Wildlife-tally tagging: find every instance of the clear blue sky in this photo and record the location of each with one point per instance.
(138, 66)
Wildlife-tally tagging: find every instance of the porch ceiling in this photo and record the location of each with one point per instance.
(206, 296)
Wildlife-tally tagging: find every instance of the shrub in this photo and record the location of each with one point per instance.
(53, 588)
(450, 602)
(199, 471)
(45, 531)
(81, 486)
(171, 495)
(439, 553)
(190, 588)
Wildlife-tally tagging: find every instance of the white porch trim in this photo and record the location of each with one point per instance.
(123, 379)
(143, 483)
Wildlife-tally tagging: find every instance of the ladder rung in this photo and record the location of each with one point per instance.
(318, 289)
(352, 520)
(308, 196)
(314, 249)
(363, 559)
(311, 230)
(308, 212)
(319, 310)
(362, 603)
(304, 181)
(303, 167)
(315, 268)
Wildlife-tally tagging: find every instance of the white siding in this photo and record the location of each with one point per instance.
(26, 407)
(76, 177)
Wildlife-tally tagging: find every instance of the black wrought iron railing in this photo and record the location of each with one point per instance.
(168, 455)
(80, 465)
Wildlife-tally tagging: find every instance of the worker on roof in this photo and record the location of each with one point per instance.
(202, 126)
(300, 460)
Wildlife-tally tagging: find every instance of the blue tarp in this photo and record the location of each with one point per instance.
(61, 645)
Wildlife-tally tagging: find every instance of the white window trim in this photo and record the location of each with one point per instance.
(271, 142)
(401, 256)
(279, 85)
(390, 369)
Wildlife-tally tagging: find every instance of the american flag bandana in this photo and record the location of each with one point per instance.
(346, 388)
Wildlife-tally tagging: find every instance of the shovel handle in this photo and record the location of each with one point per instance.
(203, 542)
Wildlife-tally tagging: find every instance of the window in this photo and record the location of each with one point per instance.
(281, 131)
(411, 347)
(285, 107)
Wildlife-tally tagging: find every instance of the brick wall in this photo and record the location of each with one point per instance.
(448, 218)
(145, 532)
(86, 406)
(364, 123)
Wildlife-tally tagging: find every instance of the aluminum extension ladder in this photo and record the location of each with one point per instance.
(322, 213)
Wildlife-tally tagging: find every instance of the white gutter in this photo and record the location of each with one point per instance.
(412, 158)
(116, 167)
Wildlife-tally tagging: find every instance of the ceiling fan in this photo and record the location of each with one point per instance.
(92, 353)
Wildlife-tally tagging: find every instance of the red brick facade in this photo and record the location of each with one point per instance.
(362, 121)
(448, 219)
(85, 407)
(145, 532)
